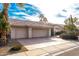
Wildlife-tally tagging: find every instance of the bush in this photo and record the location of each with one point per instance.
(58, 33)
(68, 36)
(16, 48)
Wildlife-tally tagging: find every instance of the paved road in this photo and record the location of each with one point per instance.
(71, 52)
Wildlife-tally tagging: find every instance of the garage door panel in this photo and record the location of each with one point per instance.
(19, 32)
(40, 33)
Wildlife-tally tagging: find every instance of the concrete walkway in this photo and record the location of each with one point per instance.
(45, 46)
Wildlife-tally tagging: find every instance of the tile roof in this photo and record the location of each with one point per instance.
(30, 23)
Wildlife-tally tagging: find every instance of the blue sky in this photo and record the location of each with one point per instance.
(56, 11)
(28, 11)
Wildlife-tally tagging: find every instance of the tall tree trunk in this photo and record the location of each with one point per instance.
(4, 33)
(6, 5)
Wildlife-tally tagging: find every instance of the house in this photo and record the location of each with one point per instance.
(58, 27)
(29, 29)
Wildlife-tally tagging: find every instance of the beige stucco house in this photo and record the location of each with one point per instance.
(58, 27)
(29, 29)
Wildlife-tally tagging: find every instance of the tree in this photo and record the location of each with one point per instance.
(70, 26)
(43, 18)
(4, 23)
(4, 27)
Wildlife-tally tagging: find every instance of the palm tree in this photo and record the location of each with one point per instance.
(5, 27)
(43, 18)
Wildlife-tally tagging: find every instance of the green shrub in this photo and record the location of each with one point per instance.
(58, 33)
(68, 36)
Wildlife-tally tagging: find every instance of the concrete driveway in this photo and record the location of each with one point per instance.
(35, 43)
(46, 46)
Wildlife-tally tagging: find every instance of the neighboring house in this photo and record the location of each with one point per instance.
(58, 27)
(29, 29)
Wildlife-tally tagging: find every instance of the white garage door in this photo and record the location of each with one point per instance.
(39, 33)
(19, 32)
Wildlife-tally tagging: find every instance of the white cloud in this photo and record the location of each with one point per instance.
(13, 17)
(52, 7)
(18, 13)
(32, 18)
